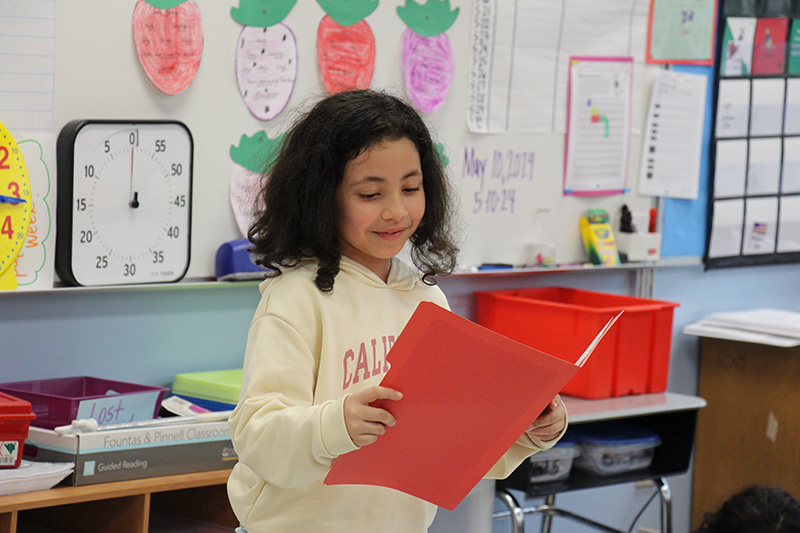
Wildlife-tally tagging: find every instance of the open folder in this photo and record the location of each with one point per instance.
(468, 394)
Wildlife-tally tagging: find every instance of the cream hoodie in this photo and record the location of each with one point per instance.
(306, 350)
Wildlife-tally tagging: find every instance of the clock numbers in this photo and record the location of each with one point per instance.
(158, 256)
(173, 232)
(6, 229)
(130, 269)
(4, 158)
(80, 204)
(102, 261)
(13, 188)
(161, 145)
(180, 200)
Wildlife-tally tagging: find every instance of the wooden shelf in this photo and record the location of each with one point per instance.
(123, 506)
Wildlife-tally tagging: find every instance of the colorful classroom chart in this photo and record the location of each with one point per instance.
(682, 31)
(486, 373)
(599, 125)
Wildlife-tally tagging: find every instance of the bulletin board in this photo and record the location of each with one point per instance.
(754, 208)
(509, 179)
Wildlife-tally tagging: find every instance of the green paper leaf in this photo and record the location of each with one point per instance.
(442, 155)
(429, 19)
(256, 151)
(348, 12)
(165, 4)
(261, 13)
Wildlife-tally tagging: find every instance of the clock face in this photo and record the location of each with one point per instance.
(15, 207)
(124, 202)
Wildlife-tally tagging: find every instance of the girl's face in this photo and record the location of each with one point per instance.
(380, 203)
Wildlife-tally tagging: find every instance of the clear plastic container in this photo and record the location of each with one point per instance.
(609, 449)
(554, 464)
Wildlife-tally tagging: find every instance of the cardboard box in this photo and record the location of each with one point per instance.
(124, 454)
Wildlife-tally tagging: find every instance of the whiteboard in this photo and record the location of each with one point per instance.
(98, 75)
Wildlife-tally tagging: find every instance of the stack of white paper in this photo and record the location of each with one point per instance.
(774, 327)
(30, 476)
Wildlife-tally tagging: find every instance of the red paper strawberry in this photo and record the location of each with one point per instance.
(346, 45)
(266, 56)
(169, 41)
(427, 54)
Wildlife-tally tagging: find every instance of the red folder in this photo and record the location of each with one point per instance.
(468, 394)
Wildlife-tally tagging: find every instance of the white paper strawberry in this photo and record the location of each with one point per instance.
(427, 53)
(251, 158)
(266, 56)
(346, 45)
(169, 41)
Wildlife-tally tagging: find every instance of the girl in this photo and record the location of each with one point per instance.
(357, 177)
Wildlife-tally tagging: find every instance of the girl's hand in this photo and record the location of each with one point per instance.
(364, 422)
(550, 423)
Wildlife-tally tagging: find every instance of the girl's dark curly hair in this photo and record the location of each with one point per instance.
(296, 211)
(755, 509)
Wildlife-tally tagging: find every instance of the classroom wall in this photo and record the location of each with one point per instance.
(98, 75)
(149, 334)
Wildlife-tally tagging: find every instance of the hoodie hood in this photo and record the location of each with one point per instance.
(402, 277)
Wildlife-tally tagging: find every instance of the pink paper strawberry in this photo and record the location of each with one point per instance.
(169, 41)
(346, 44)
(266, 56)
(251, 158)
(427, 54)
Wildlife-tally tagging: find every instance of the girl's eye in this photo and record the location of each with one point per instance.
(368, 196)
(411, 189)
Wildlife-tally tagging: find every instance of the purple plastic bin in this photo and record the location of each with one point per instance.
(56, 402)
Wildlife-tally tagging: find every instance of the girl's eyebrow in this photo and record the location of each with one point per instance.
(377, 179)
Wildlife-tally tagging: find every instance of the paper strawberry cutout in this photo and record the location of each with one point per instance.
(169, 41)
(266, 56)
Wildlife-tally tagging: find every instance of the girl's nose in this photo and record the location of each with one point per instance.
(395, 208)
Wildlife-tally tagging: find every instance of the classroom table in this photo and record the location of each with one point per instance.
(673, 416)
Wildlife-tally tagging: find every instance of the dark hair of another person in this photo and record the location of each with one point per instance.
(296, 215)
(755, 510)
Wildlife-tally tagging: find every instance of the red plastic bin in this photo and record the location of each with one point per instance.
(56, 402)
(15, 418)
(633, 357)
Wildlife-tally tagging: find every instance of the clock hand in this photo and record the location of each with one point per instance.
(134, 203)
(11, 200)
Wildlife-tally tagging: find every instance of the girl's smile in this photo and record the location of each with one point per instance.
(380, 203)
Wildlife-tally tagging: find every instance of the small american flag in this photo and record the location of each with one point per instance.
(760, 228)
